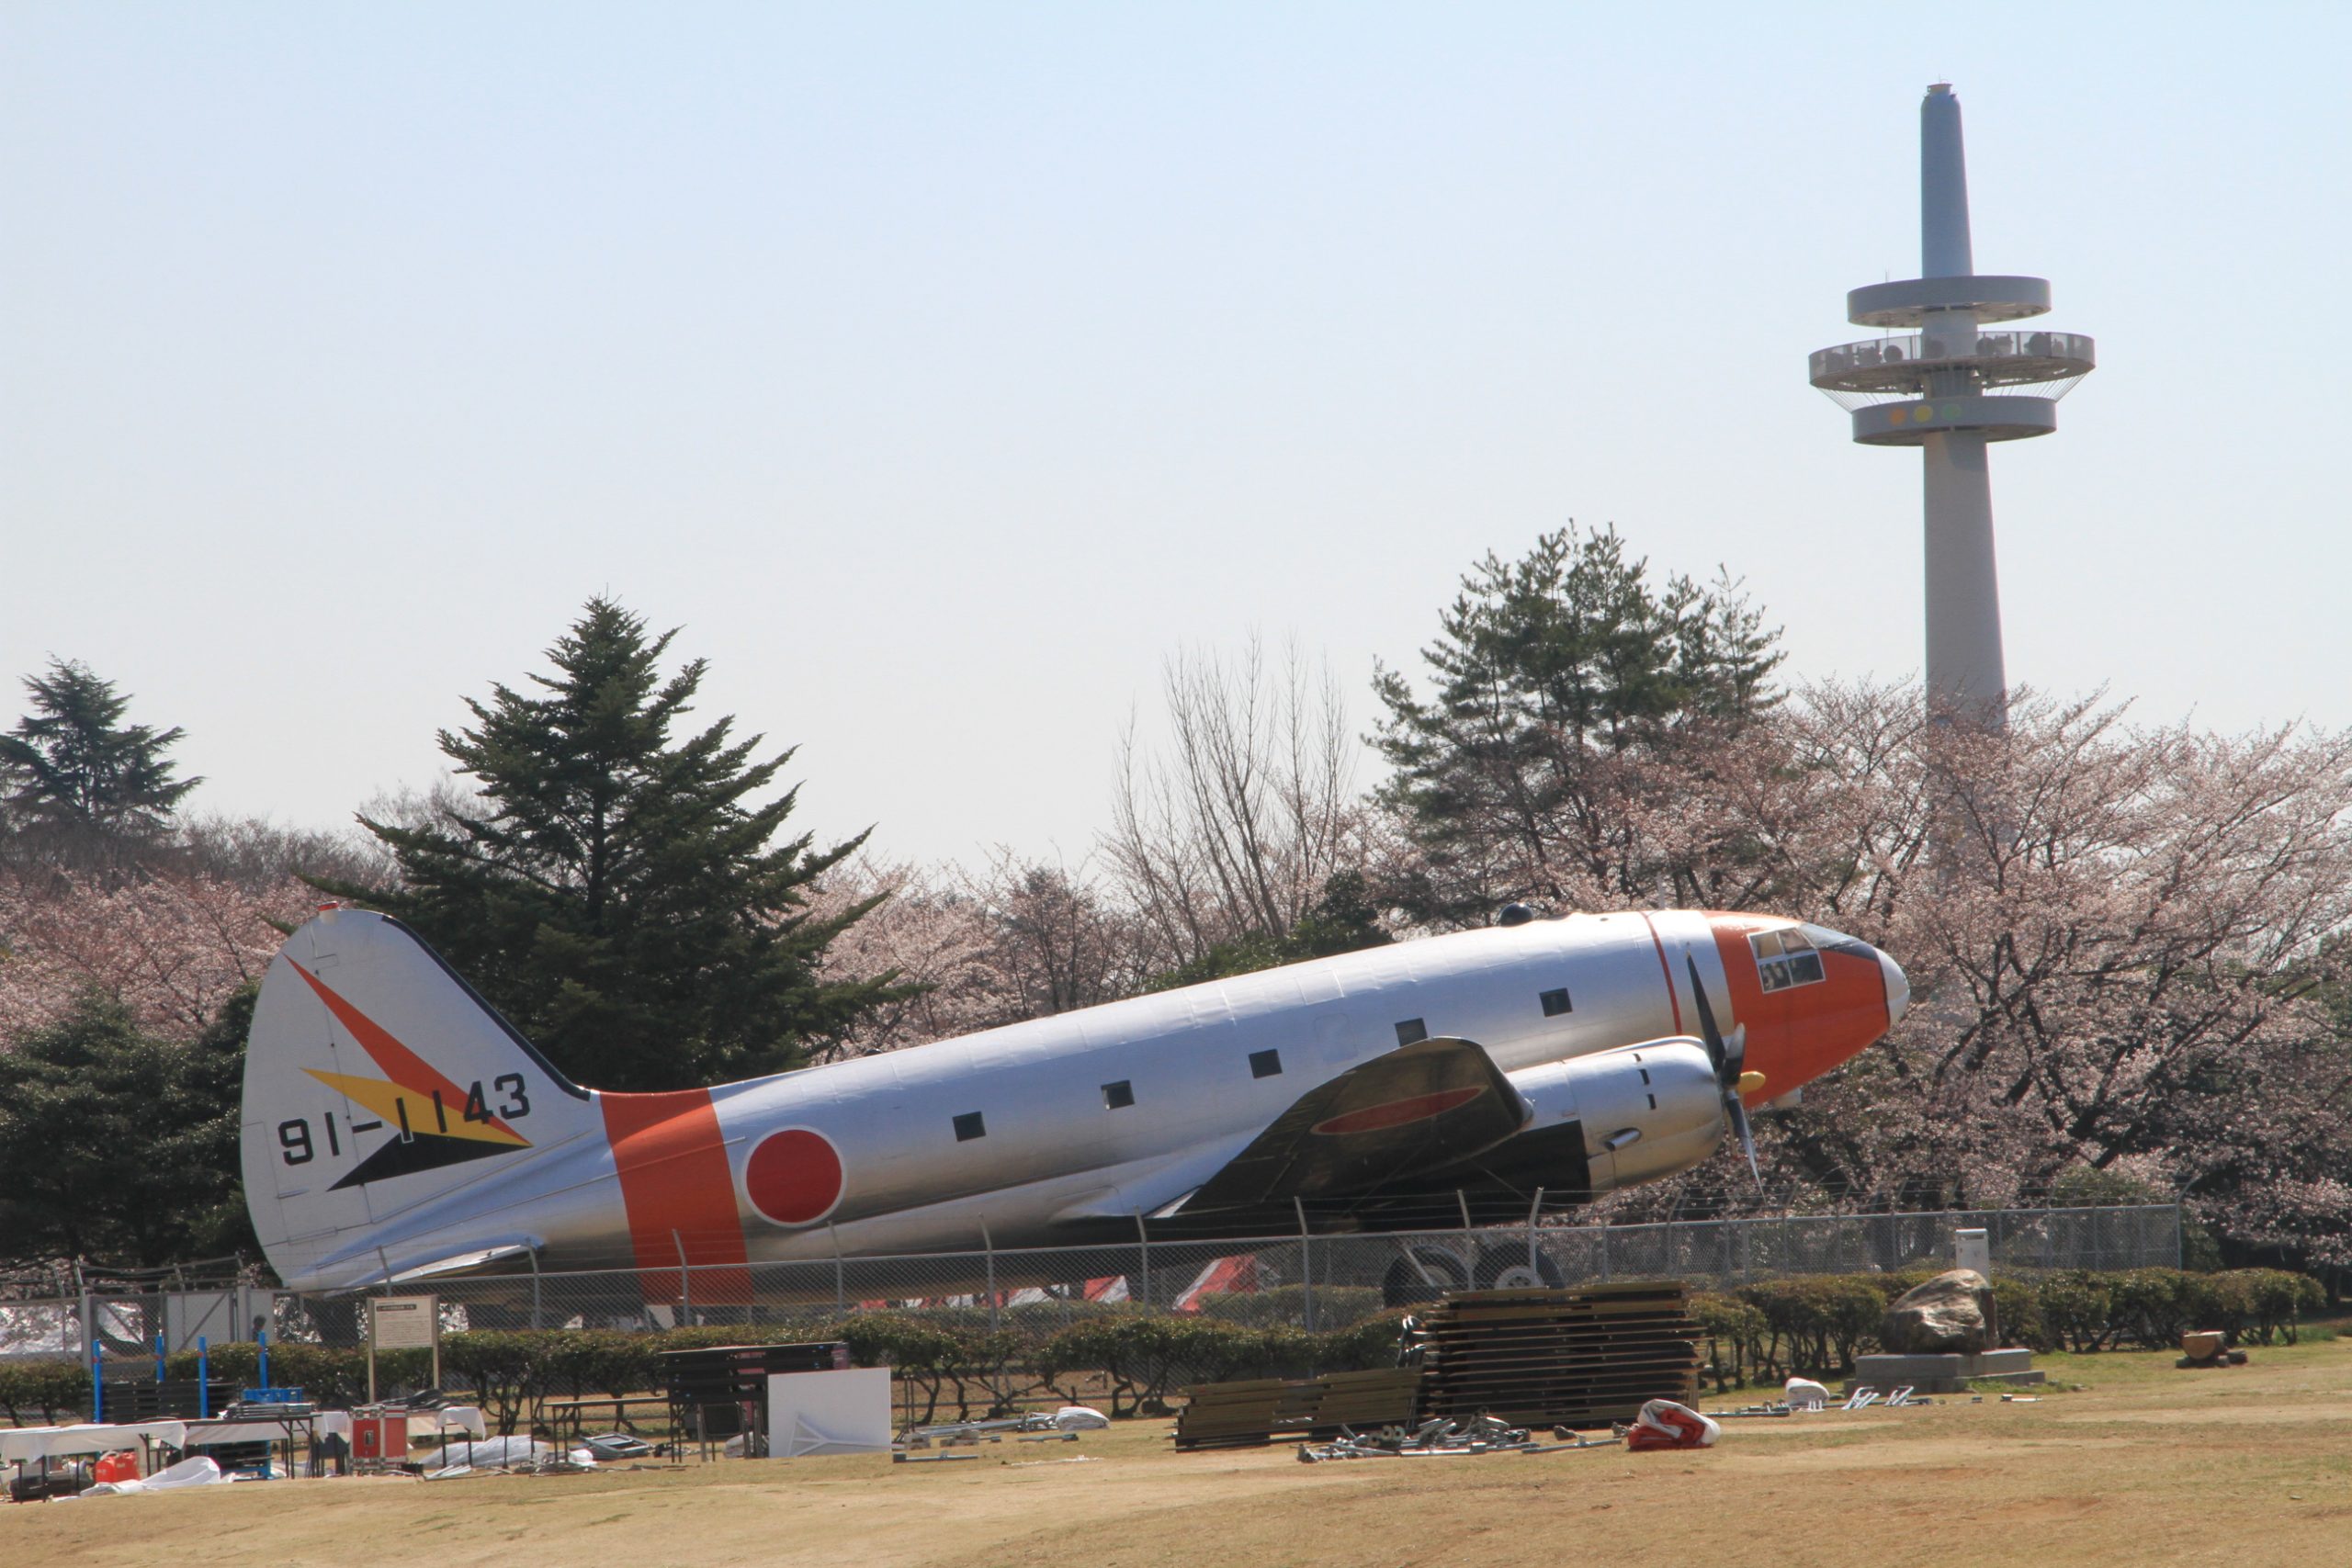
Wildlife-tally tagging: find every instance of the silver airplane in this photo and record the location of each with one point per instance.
(396, 1128)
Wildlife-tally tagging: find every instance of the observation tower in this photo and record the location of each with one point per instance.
(1953, 378)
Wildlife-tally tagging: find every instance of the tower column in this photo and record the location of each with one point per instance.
(1955, 374)
(1964, 662)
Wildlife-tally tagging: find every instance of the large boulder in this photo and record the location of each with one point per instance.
(1951, 1313)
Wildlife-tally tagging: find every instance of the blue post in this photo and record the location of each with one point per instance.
(159, 1358)
(203, 1379)
(262, 1336)
(97, 1386)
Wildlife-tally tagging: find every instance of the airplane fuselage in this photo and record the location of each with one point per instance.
(1067, 1129)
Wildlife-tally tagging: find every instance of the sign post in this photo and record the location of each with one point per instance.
(1973, 1249)
(404, 1323)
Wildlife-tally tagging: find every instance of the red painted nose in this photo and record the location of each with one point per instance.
(1809, 997)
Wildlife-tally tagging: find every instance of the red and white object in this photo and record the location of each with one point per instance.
(1666, 1425)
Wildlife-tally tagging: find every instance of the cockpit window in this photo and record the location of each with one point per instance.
(1785, 958)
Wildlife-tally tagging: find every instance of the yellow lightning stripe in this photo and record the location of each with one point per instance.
(405, 1107)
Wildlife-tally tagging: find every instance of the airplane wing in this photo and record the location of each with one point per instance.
(1431, 1102)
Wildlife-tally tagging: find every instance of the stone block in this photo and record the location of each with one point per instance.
(1949, 1373)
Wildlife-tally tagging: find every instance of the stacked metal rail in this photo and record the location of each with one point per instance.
(1586, 1357)
(1237, 1414)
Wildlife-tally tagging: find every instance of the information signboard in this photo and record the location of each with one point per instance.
(404, 1322)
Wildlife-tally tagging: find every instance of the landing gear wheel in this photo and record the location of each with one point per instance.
(1423, 1274)
(1507, 1268)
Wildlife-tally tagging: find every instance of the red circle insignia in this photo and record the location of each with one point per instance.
(793, 1177)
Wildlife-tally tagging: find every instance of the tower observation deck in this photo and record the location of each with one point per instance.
(1955, 376)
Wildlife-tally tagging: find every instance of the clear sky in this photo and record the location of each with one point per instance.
(941, 369)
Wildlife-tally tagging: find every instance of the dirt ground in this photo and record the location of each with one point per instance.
(2142, 1464)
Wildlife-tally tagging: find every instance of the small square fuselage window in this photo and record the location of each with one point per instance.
(1265, 1063)
(1118, 1096)
(1411, 1030)
(968, 1126)
(1556, 1002)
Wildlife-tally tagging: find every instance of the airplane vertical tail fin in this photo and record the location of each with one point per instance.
(378, 1081)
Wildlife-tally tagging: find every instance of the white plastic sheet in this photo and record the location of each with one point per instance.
(1079, 1419)
(507, 1450)
(198, 1471)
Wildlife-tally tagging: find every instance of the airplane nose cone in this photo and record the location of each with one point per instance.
(1898, 988)
(1810, 997)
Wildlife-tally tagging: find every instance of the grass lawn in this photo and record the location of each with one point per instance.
(2143, 1464)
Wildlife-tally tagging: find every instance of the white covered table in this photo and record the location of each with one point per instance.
(18, 1444)
(454, 1418)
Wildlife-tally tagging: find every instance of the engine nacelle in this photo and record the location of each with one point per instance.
(1646, 1110)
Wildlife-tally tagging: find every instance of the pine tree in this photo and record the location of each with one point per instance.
(118, 1145)
(76, 776)
(1558, 677)
(620, 895)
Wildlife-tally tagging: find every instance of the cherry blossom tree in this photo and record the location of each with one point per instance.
(2117, 939)
(170, 947)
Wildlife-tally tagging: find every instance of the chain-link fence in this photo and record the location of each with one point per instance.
(1318, 1282)
(1313, 1281)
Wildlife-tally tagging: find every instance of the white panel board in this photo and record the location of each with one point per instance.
(828, 1413)
(1973, 1249)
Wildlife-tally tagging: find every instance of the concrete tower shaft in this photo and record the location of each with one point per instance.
(1944, 249)
(1956, 383)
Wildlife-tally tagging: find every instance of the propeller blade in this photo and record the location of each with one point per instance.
(1746, 1138)
(1707, 1029)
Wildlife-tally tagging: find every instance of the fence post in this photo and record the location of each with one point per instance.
(1604, 1253)
(534, 1288)
(2179, 1240)
(1143, 1238)
(840, 1284)
(1306, 1262)
(989, 1246)
(685, 1283)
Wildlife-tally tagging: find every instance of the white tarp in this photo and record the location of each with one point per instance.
(828, 1413)
(19, 1443)
(1079, 1418)
(198, 1472)
(507, 1450)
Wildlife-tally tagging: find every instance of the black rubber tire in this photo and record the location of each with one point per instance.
(1404, 1285)
(1506, 1269)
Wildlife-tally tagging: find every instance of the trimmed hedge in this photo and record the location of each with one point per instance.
(952, 1361)
(1816, 1324)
